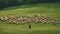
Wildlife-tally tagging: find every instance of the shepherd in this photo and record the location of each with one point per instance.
(29, 25)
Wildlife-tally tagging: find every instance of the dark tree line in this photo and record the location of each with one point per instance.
(7, 3)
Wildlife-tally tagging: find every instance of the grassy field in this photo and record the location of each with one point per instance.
(49, 9)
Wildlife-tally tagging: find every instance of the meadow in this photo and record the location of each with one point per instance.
(49, 9)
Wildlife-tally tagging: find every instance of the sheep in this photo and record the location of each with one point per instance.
(5, 18)
(36, 20)
(29, 19)
(14, 21)
(55, 21)
(21, 20)
(39, 21)
(33, 19)
(9, 21)
(1, 18)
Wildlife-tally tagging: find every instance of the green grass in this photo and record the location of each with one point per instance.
(49, 9)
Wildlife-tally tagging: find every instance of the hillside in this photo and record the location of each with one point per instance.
(49, 9)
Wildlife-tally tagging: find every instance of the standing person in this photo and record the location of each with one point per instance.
(29, 26)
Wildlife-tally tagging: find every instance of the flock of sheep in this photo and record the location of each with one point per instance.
(29, 19)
